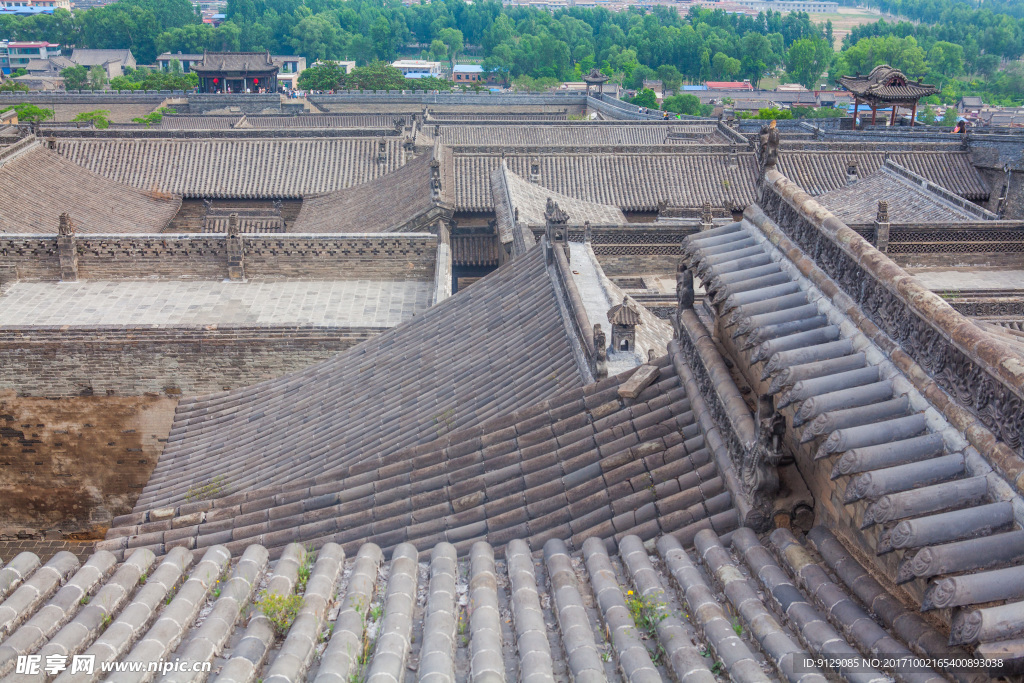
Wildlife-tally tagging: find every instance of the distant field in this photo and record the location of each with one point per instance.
(846, 19)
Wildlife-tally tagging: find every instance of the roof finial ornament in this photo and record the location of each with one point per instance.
(553, 214)
(883, 211)
(233, 229)
(707, 219)
(65, 228)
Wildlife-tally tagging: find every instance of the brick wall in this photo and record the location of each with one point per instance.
(72, 464)
(204, 257)
(618, 265)
(168, 361)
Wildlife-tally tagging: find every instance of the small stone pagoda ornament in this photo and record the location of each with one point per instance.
(624, 319)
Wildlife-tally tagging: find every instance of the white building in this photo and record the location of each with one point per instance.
(417, 68)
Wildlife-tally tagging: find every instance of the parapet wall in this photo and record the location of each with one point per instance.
(406, 256)
(452, 98)
(167, 361)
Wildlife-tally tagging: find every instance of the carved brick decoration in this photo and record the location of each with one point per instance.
(236, 250)
(67, 251)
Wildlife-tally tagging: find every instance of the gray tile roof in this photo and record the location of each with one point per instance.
(92, 57)
(196, 122)
(401, 200)
(492, 348)
(531, 200)
(234, 61)
(250, 168)
(569, 134)
(37, 185)
(909, 202)
(630, 180)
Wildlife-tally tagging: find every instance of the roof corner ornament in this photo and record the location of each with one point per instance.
(882, 226)
(760, 473)
(768, 147)
(66, 228)
(435, 178)
(883, 212)
(67, 249)
(707, 219)
(600, 354)
(553, 215)
(233, 229)
(382, 151)
(684, 296)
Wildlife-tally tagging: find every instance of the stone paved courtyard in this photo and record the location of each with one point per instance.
(333, 303)
(973, 278)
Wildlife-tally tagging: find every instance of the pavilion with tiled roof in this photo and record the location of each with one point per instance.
(236, 72)
(886, 87)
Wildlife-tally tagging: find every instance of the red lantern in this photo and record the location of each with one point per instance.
(216, 81)
(255, 81)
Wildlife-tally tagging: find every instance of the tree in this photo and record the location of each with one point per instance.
(948, 118)
(438, 50)
(153, 118)
(19, 72)
(772, 113)
(646, 98)
(452, 38)
(946, 59)
(669, 76)
(902, 53)
(725, 67)
(317, 37)
(13, 86)
(75, 77)
(685, 103)
(927, 115)
(30, 112)
(757, 57)
(99, 118)
(375, 76)
(97, 77)
(807, 60)
(322, 76)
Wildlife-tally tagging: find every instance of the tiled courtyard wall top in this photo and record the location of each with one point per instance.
(287, 256)
(423, 97)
